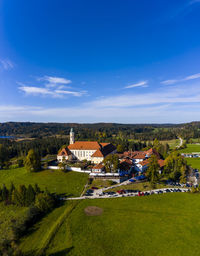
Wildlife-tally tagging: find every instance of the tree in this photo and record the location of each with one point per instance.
(3, 155)
(111, 163)
(32, 162)
(184, 173)
(30, 196)
(44, 202)
(4, 193)
(120, 148)
(153, 169)
(175, 166)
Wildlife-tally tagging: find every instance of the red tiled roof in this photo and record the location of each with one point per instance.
(98, 153)
(98, 166)
(126, 160)
(145, 162)
(161, 163)
(64, 152)
(140, 155)
(104, 144)
(107, 149)
(152, 151)
(85, 145)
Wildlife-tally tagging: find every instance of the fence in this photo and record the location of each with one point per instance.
(69, 168)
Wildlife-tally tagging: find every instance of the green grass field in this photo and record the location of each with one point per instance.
(194, 162)
(70, 183)
(190, 148)
(172, 143)
(158, 225)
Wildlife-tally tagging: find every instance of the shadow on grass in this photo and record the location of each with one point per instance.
(59, 253)
(63, 252)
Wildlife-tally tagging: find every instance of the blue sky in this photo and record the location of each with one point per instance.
(124, 61)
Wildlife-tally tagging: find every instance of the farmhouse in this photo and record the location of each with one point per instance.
(86, 150)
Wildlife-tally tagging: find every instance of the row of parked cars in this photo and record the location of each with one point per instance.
(135, 192)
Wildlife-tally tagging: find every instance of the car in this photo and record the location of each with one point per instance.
(89, 191)
(94, 188)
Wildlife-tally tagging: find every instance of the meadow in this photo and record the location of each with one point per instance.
(194, 162)
(56, 181)
(166, 225)
(191, 148)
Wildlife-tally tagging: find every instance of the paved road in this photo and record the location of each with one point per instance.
(155, 191)
(181, 142)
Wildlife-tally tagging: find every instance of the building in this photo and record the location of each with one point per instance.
(86, 150)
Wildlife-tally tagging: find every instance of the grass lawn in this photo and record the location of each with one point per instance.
(172, 143)
(142, 186)
(158, 225)
(70, 183)
(194, 162)
(41, 234)
(101, 183)
(7, 215)
(190, 148)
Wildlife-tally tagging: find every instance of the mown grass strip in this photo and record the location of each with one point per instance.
(54, 228)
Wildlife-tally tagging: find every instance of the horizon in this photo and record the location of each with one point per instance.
(100, 62)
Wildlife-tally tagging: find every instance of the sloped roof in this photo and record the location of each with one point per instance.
(109, 148)
(104, 144)
(152, 151)
(140, 155)
(98, 166)
(85, 145)
(161, 163)
(126, 160)
(98, 153)
(145, 162)
(64, 152)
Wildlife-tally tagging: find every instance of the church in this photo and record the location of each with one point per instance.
(86, 150)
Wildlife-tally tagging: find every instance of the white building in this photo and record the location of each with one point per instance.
(86, 150)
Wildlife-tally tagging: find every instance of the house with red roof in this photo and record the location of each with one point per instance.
(86, 150)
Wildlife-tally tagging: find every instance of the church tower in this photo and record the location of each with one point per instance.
(71, 135)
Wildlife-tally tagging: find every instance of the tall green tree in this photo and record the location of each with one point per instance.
(175, 166)
(4, 155)
(153, 169)
(30, 195)
(111, 163)
(32, 162)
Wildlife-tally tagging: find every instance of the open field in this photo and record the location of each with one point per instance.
(40, 236)
(194, 162)
(190, 148)
(70, 183)
(166, 225)
(172, 143)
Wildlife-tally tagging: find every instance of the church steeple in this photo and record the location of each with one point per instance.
(71, 137)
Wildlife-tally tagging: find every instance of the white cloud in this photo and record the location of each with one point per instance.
(54, 88)
(140, 84)
(187, 78)
(53, 80)
(6, 64)
(31, 90)
(167, 82)
(195, 76)
(76, 94)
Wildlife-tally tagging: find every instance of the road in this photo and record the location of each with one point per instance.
(181, 142)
